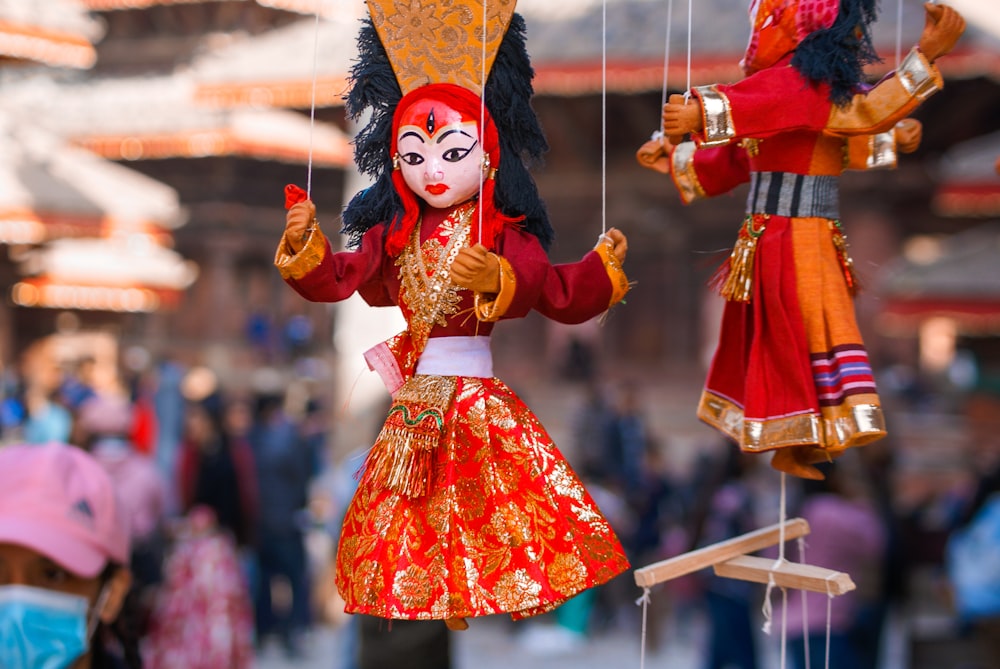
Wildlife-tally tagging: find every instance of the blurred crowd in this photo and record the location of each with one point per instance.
(220, 496)
(215, 489)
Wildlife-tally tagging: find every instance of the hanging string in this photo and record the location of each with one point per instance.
(604, 118)
(766, 609)
(805, 611)
(687, 85)
(643, 601)
(312, 102)
(829, 616)
(666, 64)
(899, 32)
(482, 122)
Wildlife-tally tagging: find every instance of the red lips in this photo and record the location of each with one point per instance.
(436, 189)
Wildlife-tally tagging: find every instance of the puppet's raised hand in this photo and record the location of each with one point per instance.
(909, 132)
(299, 222)
(617, 242)
(655, 154)
(942, 28)
(681, 117)
(477, 269)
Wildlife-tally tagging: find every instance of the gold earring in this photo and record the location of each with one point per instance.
(395, 161)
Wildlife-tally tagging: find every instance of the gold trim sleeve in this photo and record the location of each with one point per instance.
(489, 310)
(918, 76)
(616, 273)
(717, 116)
(891, 100)
(871, 152)
(683, 172)
(293, 265)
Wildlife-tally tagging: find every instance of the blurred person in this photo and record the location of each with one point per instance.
(846, 535)
(725, 510)
(625, 439)
(203, 616)
(217, 469)
(284, 471)
(78, 383)
(47, 420)
(64, 553)
(102, 426)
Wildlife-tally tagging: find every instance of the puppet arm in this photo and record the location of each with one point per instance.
(891, 100)
(699, 173)
(320, 275)
(881, 150)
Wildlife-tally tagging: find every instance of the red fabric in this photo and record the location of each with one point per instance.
(506, 526)
(203, 617)
(566, 293)
(143, 434)
(762, 362)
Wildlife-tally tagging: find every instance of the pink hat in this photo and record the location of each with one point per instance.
(57, 500)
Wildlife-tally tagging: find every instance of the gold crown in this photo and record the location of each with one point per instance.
(440, 41)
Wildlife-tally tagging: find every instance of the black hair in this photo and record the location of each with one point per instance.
(508, 97)
(123, 632)
(837, 55)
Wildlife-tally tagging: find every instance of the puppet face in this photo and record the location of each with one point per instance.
(440, 156)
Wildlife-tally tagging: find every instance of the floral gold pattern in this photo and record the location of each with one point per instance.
(440, 41)
(505, 526)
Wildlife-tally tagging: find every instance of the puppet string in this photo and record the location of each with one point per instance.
(829, 616)
(805, 611)
(666, 61)
(687, 87)
(766, 608)
(482, 121)
(899, 30)
(312, 103)
(604, 117)
(644, 602)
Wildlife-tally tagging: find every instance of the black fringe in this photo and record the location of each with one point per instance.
(837, 55)
(508, 97)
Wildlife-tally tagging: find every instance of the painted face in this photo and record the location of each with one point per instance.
(440, 155)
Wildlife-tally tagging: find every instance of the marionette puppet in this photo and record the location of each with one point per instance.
(791, 374)
(464, 507)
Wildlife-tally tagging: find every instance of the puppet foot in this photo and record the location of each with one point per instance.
(456, 624)
(792, 461)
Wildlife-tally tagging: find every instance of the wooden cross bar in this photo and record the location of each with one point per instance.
(730, 560)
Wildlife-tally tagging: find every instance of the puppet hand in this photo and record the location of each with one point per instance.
(655, 154)
(909, 132)
(942, 28)
(299, 222)
(477, 269)
(681, 117)
(616, 241)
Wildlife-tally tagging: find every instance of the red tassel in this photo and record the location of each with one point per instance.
(294, 195)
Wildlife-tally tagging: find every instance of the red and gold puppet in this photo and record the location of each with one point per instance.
(791, 374)
(465, 507)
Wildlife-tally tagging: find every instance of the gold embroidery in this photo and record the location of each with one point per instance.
(431, 295)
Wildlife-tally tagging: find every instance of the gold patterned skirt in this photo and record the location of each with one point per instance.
(503, 526)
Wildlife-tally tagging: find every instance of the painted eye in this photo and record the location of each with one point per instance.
(412, 158)
(455, 154)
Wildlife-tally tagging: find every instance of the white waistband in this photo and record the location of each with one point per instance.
(457, 356)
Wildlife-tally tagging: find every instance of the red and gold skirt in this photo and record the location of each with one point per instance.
(791, 371)
(503, 526)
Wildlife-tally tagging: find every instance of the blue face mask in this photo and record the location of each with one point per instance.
(41, 629)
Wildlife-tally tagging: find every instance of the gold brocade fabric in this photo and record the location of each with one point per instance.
(505, 527)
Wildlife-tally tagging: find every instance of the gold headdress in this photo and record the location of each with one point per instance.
(440, 41)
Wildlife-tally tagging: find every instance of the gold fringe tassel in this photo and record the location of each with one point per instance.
(403, 453)
(843, 255)
(738, 283)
